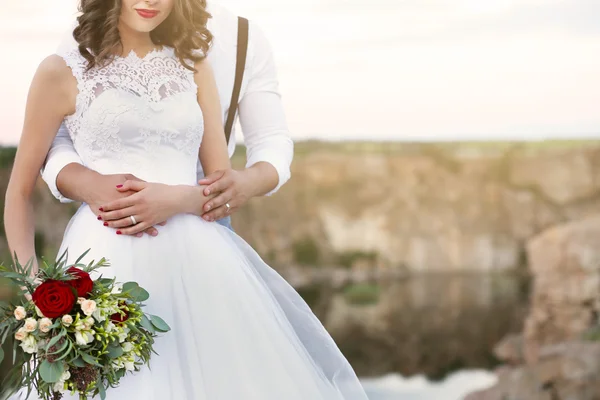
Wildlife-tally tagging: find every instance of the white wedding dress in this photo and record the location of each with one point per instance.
(239, 330)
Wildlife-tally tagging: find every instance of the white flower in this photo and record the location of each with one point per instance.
(59, 387)
(127, 347)
(30, 325)
(129, 365)
(45, 324)
(80, 300)
(21, 334)
(39, 312)
(83, 338)
(117, 288)
(123, 335)
(89, 322)
(67, 320)
(110, 327)
(29, 345)
(20, 313)
(65, 376)
(88, 307)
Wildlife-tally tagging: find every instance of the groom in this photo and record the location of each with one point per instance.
(267, 139)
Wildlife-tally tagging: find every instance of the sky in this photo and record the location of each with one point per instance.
(386, 69)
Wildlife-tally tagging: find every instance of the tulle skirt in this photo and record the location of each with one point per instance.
(239, 330)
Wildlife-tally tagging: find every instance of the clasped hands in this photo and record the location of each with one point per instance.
(132, 206)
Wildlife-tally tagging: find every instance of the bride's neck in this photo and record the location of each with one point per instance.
(139, 42)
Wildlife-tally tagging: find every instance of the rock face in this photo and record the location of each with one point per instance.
(565, 264)
(555, 362)
(419, 207)
(425, 207)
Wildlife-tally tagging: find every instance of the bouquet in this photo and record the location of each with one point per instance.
(72, 333)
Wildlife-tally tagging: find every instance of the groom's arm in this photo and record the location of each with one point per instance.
(262, 117)
(269, 147)
(61, 154)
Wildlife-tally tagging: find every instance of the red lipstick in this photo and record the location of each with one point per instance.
(147, 13)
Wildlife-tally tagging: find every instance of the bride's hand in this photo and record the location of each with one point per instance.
(153, 204)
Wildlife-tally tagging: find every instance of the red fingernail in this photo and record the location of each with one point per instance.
(101, 209)
(99, 218)
(119, 233)
(106, 224)
(119, 186)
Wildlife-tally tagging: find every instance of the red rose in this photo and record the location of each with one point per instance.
(54, 298)
(83, 284)
(119, 318)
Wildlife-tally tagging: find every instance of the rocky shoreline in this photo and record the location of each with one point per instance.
(557, 356)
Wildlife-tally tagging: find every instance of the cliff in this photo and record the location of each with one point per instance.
(416, 207)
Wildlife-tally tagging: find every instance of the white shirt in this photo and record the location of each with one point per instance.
(261, 114)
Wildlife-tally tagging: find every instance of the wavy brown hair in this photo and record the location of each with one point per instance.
(184, 30)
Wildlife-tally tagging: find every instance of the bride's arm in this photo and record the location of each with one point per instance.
(51, 97)
(213, 151)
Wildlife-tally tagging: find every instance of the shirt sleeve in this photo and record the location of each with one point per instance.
(261, 112)
(62, 153)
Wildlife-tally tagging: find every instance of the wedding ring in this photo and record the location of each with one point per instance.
(228, 207)
(133, 221)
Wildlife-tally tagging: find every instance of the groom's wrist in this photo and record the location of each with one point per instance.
(75, 180)
(259, 179)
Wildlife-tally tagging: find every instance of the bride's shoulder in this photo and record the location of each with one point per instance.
(55, 68)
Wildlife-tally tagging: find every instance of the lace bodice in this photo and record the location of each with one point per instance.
(137, 115)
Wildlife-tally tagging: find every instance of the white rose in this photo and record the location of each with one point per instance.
(30, 325)
(39, 312)
(20, 313)
(29, 345)
(88, 307)
(80, 300)
(127, 347)
(45, 324)
(21, 334)
(67, 320)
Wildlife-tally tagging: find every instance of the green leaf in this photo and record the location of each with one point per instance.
(55, 339)
(130, 286)
(51, 372)
(159, 324)
(1, 354)
(101, 389)
(78, 362)
(89, 359)
(115, 351)
(146, 324)
(81, 256)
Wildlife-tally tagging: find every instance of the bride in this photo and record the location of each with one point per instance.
(137, 97)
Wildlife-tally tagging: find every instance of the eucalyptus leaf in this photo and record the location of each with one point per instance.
(146, 324)
(51, 372)
(89, 359)
(55, 339)
(101, 389)
(159, 324)
(78, 362)
(115, 351)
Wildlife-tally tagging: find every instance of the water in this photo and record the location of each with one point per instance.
(437, 329)
(455, 387)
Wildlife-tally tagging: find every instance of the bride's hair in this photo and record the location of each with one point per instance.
(184, 29)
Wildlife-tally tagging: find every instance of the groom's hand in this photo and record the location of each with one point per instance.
(231, 187)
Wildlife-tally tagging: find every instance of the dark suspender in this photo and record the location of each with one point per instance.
(242, 51)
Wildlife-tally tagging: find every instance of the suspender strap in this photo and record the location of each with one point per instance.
(242, 51)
